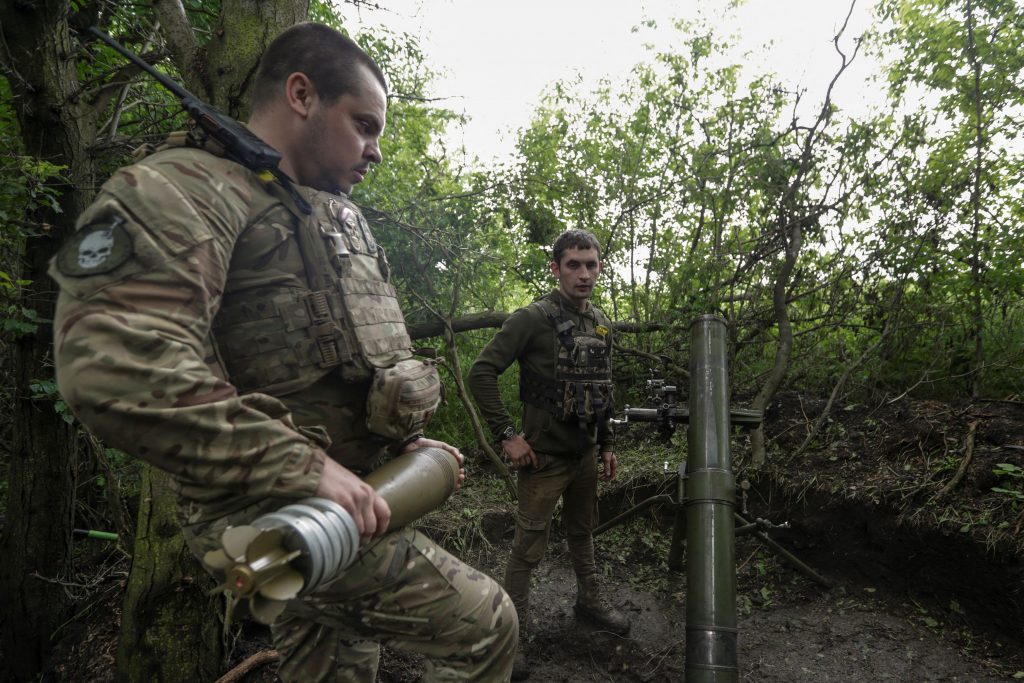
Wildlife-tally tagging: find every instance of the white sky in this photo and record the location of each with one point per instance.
(497, 56)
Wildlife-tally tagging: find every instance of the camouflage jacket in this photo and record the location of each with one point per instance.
(528, 337)
(165, 244)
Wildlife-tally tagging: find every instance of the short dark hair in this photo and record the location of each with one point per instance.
(327, 56)
(574, 239)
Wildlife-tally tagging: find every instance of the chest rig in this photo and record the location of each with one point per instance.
(582, 387)
(330, 309)
(346, 318)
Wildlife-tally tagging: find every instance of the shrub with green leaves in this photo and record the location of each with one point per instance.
(1015, 477)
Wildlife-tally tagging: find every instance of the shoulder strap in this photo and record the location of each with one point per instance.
(563, 326)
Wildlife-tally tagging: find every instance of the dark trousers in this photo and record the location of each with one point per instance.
(575, 482)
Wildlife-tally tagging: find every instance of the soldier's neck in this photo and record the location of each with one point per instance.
(581, 306)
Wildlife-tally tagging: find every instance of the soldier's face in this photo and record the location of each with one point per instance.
(342, 138)
(577, 273)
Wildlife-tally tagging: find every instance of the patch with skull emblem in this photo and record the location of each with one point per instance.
(97, 248)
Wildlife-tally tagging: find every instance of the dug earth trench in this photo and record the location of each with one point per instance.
(923, 560)
(904, 604)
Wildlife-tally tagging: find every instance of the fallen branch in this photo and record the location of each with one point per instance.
(254, 662)
(663, 361)
(494, 319)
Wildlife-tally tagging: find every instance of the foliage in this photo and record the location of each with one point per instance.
(689, 172)
(46, 390)
(30, 185)
(957, 77)
(1013, 474)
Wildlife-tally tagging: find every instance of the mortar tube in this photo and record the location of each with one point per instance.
(711, 633)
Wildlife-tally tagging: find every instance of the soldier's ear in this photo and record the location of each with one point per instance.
(300, 93)
(554, 268)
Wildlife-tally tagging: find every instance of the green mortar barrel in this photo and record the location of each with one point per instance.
(711, 632)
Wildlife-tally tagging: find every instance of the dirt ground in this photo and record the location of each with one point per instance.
(924, 584)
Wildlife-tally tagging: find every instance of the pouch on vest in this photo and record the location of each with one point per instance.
(403, 399)
(584, 371)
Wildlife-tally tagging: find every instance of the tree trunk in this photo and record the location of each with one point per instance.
(246, 28)
(474, 419)
(35, 550)
(495, 319)
(169, 626)
(978, 258)
(793, 236)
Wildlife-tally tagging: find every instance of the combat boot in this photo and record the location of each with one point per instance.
(591, 605)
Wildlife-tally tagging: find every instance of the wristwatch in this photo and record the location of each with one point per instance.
(508, 433)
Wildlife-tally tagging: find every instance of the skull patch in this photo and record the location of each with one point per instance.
(96, 248)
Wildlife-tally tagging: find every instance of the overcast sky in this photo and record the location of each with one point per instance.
(496, 57)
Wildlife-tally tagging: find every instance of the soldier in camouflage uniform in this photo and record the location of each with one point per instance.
(562, 343)
(230, 329)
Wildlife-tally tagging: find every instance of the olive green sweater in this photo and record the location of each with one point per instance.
(529, 338)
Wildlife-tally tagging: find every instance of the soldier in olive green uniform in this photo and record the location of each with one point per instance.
(563, 344)
(234, 330)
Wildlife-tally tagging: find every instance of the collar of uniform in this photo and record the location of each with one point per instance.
(557, 297)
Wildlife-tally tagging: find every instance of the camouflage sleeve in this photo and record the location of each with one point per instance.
(140, 282)
(505, 347)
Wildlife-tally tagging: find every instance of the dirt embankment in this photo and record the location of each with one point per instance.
(893, 504)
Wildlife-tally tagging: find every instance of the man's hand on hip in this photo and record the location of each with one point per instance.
(519, 453)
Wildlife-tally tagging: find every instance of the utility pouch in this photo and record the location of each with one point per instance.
(403, 399)
(583, 368)
(586, 401)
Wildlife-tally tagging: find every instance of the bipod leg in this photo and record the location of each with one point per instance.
(633, 511)
(789, 557)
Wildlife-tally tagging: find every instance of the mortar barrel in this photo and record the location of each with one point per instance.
(711, 634)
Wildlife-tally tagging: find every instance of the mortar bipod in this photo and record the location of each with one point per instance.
(666, 416)
(669, 414)
(705, 510)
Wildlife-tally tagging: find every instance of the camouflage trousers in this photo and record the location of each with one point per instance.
(406, 592)
(575, 482)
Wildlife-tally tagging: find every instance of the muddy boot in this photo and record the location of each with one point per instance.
(591, 605)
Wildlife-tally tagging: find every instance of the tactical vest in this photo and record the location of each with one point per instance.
(281, 339)
(582, 387)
